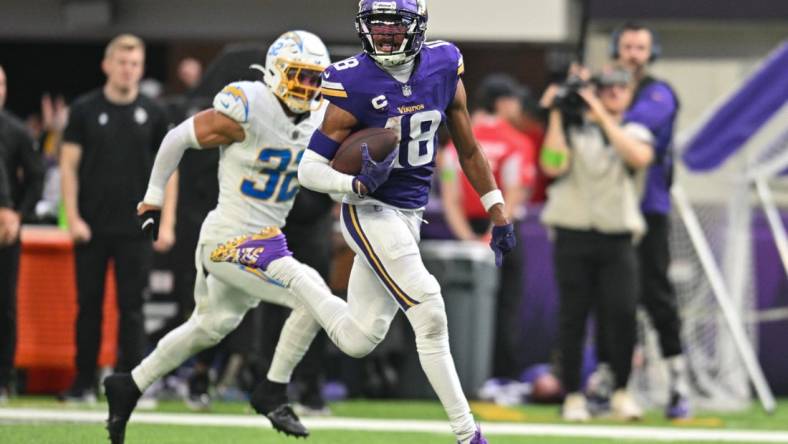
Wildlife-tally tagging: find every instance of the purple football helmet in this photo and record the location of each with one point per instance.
(392, 32)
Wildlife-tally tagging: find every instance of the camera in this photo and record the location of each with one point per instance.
(569, 102)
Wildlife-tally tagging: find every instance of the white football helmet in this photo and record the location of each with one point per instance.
(293, 68)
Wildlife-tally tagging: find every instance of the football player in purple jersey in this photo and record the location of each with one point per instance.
(402, 82)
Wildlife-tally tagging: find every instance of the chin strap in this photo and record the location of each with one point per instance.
(401, 72)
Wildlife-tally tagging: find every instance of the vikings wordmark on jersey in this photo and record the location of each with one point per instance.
(416, 108)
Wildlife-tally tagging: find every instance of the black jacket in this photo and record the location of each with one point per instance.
(5, 189)
(24, 169)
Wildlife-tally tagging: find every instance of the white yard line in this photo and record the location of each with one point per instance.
(399, 425)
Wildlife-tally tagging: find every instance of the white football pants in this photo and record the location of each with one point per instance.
(388, 274)
(223, 293)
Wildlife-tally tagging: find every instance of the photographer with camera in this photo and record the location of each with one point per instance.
(655, 105)
(593, 212)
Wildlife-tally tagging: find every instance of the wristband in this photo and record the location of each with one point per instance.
(323, 145)
(552, 157)
(492, 198)
(356, 184)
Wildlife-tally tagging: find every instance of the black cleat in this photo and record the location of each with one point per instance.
(122, 395)
(199, 399)
(270, 400)
(284, 420)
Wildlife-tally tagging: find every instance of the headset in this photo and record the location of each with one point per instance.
(656, 47)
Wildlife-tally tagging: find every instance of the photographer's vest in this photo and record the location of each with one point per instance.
(599, 191)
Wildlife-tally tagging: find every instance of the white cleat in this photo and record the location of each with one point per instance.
(575, 408)
(624, 407)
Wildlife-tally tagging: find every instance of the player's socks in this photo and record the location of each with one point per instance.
(294, 341)
(677, 367)
(432, 344)
(268, 395)
(172, 350)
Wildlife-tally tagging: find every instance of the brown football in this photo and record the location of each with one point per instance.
(380, 142)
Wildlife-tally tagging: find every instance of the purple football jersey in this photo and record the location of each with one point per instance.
(417, 108)
(656, 107)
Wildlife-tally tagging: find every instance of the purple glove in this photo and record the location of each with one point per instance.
(502, 242)
(373, 174)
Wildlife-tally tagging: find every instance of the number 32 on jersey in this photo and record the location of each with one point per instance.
(274, 182)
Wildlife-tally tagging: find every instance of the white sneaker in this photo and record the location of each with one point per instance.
(624, 407)
(575, 409)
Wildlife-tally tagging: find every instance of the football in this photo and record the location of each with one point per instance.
(380, 142)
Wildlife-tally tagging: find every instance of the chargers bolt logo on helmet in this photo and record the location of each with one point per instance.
(293, 67)
(392, 32)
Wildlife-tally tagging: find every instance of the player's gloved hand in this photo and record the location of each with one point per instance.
(373, 174)
(502, 242)
(149, 217)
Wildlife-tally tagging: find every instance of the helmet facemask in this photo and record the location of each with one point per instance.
(299, 85)
(293, 68)
(391, 38)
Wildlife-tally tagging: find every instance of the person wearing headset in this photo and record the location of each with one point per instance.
(655, 106)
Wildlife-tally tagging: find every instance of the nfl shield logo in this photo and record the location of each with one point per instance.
(406, 91)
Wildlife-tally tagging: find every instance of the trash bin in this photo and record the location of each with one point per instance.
(469, 279)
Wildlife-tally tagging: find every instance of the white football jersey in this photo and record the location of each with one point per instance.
(258, 178)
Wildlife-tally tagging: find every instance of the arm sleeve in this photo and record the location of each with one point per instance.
(654, 107)
(174, 144)
(5, 189)
(315, 173)
(33, 173)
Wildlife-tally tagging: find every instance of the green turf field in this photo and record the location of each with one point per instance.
(25, 431)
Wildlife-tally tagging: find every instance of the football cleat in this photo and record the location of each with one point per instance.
(284, 420)
(122, 396)
(270, 400)
(477, 438)
(678, 407)
(575, 408)
(254, 250)
(198, 398)
(624, 407)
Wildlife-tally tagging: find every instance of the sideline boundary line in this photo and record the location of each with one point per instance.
(399, 425)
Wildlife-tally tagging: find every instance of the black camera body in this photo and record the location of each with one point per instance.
(569, 102)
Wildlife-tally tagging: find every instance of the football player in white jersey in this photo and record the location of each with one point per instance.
(262, 129)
